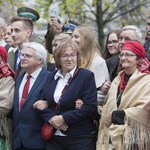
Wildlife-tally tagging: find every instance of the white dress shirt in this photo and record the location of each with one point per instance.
(62, 81)
(33, 78)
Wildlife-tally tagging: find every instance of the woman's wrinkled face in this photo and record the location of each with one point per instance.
(112, 44)
(68, 60)
(128, 60)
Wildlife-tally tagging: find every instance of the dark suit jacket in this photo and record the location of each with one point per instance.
(148, 55)
(11, 62)
(82, 86)
(147, 45)
(112, 65)
(27, 123)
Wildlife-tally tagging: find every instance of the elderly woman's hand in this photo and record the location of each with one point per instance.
(108, 120)
(78, 103)
(40, 104)
(57, 122)
(64, 127)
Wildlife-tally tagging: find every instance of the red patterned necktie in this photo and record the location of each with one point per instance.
(25, 91)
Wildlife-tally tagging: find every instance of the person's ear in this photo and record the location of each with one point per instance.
(29, 32)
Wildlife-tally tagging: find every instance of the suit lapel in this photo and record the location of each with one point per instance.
(37, 83)
(113, 65)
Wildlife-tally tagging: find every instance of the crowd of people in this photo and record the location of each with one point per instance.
(93, 100)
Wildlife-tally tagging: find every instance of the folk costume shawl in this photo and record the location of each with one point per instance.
(6, 100)
(136, 95)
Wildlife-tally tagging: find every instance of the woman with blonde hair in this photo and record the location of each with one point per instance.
(55, 43)
(91, 58)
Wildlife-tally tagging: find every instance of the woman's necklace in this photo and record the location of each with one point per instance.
(123, 82)
(121, 86)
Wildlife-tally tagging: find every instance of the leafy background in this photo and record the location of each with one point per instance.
(102, 15)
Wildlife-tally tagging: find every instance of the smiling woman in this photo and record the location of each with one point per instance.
(74, 127)
(68, 56)
(111, 48)
(125, 114)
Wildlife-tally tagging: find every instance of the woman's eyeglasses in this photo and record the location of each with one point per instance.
(126, 55)
(66, 56)
(113, 42)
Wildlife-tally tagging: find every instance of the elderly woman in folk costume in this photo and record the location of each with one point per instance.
(6, 100)
(125, 122)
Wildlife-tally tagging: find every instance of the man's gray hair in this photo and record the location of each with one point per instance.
(40, 51)
(134, 28)
(2, 23)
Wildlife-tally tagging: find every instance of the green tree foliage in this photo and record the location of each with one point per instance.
(100, 14)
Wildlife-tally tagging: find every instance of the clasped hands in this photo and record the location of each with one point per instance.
(58, 123)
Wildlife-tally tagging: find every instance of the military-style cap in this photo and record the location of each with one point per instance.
(28, 13)
(69, 26)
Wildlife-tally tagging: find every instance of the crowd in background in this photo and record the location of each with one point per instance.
(93, 100)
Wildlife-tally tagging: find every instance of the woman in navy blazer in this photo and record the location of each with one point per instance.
(74, 127)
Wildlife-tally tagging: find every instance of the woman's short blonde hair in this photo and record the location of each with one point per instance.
(60, 37)
(62, 48)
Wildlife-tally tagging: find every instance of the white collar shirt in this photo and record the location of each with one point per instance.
(62, 81)
(33, 78)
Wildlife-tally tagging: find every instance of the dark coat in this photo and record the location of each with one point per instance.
(82, 86)
(27, 123)
(147, 45)
(112, 65)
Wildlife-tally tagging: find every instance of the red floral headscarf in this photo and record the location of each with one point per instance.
(5, 69)
(138, 49)
(3, 54)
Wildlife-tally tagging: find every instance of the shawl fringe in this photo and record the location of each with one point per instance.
(4, 131)
(136, 136)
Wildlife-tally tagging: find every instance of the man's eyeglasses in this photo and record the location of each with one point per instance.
(126, 55)
(126, 39)
(148, 23)
(26, 56)
(66, 56)
(113, 42)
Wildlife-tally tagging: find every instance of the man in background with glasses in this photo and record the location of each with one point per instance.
(128, 33)
(2, 35)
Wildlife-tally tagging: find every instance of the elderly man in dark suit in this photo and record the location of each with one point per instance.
(27, 122)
